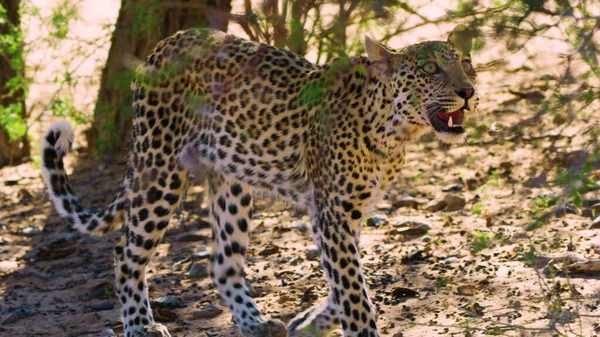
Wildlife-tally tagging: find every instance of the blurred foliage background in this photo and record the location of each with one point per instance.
(320, 30)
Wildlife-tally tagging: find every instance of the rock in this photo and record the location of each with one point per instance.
(312, 252)
(192, 297)
(454, 202)
(414, 257)
(435, 205)
(426, 238)
(451, 260)
(198, 271)
(401, 293)
(376, 220)
(31, 231)
(24, 195)
(100, 306)
(201, 253)
(472, 184)
(11, 181)
(58, 247)
(562, 211)
(163, 315)
(270, 249)
(456, 187)
(167, 302)
(210, 311)
(18, 314)
(595, 223)
(412, 228)
(10, 319)
(300, 225)
(384, 206)
(407, 202)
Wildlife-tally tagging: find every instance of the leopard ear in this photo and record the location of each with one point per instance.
(376, 51)
(461, 38)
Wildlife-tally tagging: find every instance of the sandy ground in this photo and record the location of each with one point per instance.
(449, 251)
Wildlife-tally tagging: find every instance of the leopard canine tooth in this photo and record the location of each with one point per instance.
(450, 122)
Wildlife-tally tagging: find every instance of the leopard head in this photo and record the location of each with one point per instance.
(432, 83)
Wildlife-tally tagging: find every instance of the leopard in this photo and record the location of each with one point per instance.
(256, 118)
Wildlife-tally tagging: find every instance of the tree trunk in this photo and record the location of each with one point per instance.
(11, 152)
(140, 25)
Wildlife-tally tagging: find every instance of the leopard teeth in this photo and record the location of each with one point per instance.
(450, 122)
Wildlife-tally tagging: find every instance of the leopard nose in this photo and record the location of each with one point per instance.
(465, 93)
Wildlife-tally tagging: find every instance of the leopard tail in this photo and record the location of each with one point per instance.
(56, 143)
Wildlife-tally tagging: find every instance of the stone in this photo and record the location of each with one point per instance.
(198, 271)
(407, 202)
(170, 302)
(456, 187)
(300, 225)
(454, 202)
(435, 205)
(270, 249)
(312, 252)
(596, 223)
(31, 231)
(210, 311)
(451, 260)
(401, 293)
(412, 228)
(376, 220)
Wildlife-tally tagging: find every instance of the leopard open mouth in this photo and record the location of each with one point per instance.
(449, 121)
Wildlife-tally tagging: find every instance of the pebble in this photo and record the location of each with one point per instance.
(201, 253)
(457, 187)
(198, 271)
(426, 238)
(312, 252)
(451, 260)
(31, 231)
(376, 220)
(596, 223)
(210, 311)
(167, 302)
(415, 256)
(270, 250)
(454, 202)
(300, 225)
(101, 306)
(412, 228)
(403, 293)
(435, 205)
(407, 202)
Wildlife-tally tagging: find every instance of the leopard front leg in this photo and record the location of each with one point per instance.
(335, 226)
(231, 209)
(151, 204)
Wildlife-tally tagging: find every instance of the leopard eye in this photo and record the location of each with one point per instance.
(430, 68)
(467, 66)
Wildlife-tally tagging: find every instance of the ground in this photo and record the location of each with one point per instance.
(454, 249)
(448, 251)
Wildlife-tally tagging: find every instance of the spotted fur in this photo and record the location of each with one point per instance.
(327, 137)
